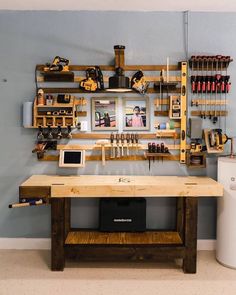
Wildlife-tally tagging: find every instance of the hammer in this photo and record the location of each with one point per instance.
(103, 143)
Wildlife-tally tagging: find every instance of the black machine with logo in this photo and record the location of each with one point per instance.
(122, 215)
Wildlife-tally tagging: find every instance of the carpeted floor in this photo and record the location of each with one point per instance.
(28, 272)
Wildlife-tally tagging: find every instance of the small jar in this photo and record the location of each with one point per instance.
(49, 100)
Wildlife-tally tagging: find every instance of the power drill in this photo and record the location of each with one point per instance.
(94, 79)
(139, 82)
(59, 64)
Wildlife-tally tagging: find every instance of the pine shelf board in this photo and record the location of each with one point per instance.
(77, 79)
(56, 105)
(112, 67)
(123, 238)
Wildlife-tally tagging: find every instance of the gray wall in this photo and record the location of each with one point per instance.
(30, 38)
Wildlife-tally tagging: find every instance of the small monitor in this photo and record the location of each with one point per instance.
(72, 158)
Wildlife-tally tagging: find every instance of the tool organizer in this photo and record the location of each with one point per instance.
(55, 115)
(176, 85)
(209, 77)
(210, 84)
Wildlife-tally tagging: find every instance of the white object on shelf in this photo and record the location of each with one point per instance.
(83, 126)
(226, 213)
(27, 114)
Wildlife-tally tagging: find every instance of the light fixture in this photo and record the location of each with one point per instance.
(119, 83)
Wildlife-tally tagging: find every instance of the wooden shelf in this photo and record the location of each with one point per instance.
(126, 67)
(56, 105)
(77, 79)
(108, 145)
(55, 116)
(156, 155)
(107, 135)
(99, 135)
(207, 113)
(53, 158)
(122, 238)
(52, 126)
(78, 90)
(166, 133)
(164, 101)
(161, 113)
(199, 101)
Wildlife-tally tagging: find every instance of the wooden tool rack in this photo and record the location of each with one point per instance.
(92, 245)
(44, 115)
(179, 77)
(209, 102)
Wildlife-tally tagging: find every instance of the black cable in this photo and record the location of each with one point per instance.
(36, 80)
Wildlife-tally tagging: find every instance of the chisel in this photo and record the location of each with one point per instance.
(122, 144)
(149, 151)
(136, 137)
(118, 145)
(132, 140)
(112, 156)
(128, 142)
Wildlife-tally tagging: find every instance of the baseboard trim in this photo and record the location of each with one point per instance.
(206, 245)
(45, 244)
(25, 243)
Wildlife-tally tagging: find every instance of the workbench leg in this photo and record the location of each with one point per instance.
(190, 230)
(180, 209)
(57, 234)
(67, 216)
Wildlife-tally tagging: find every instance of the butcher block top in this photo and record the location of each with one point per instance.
(125, 186)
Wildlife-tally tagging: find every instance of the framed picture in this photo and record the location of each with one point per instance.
(136, 113)
(104, 113)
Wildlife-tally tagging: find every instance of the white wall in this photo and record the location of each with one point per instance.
(130, 5)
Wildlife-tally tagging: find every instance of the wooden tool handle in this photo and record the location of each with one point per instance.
(26, 204)
(103, 156)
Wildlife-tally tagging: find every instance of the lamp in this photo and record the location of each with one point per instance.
(119, 83)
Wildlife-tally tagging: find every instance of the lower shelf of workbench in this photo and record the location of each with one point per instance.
(92, 237)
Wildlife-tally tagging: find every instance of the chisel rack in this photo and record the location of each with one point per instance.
(134, 152)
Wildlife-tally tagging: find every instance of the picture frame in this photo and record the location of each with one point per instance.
(136, 113)
(104, 113)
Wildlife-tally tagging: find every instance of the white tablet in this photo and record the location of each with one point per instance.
(72, 158)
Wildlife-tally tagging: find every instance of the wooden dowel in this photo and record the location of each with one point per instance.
(26, 204)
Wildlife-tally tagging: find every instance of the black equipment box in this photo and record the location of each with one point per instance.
(122, 214)
(58, 76)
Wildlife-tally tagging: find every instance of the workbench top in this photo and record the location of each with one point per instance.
(126, 186)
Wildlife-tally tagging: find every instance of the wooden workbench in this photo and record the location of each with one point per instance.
(94, 245)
